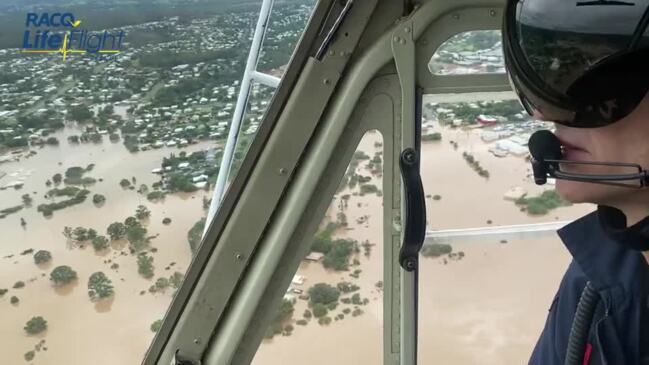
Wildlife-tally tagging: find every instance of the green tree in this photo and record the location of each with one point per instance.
(62, 275)
(321, 242)
(100, 243)
(136, 236)
(80, 234)
(92, 234)
(323, 293)
(99, 286)
(338, 256)
(145, 266)
(116, 231)
(42, 257)
(36, 325)
(98, 198)
(142, 212)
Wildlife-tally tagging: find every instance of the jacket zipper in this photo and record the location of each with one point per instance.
(599, 342)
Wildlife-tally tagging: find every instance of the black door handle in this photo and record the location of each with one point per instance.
(415, 219)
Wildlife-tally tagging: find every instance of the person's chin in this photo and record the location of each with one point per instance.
(573, 191)
(583, 192)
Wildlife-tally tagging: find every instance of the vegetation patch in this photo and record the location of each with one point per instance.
(36, 325)
(542, 204)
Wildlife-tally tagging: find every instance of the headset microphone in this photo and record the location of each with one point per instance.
(545, 149)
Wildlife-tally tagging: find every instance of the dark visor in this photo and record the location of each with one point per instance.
(579, 63)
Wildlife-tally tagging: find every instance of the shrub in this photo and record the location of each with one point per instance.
(162, 283)
(14, 300)
(36, 325)
(301, 322)
(29, 355)
(176, 280)
(42, 257)
(356, 299)
(155, 326)
(347, 287)
(166, 221)
(155, 195)
(324, 320)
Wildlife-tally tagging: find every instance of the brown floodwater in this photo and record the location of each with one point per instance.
(113, 331)
(486, 308)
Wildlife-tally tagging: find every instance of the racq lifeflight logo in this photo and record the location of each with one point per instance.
(62, 33)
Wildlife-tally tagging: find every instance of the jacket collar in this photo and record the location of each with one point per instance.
(604, 253)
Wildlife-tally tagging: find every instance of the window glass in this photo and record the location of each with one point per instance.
(110, 142)
(474, 52)
(484, 292)
(333, 310)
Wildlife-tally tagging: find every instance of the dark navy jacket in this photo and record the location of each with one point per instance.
(620, 331)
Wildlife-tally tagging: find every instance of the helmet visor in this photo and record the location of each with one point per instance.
(582, 63)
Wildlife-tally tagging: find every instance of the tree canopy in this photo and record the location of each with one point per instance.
(62, 275)
(99, 286)
(36, 325)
